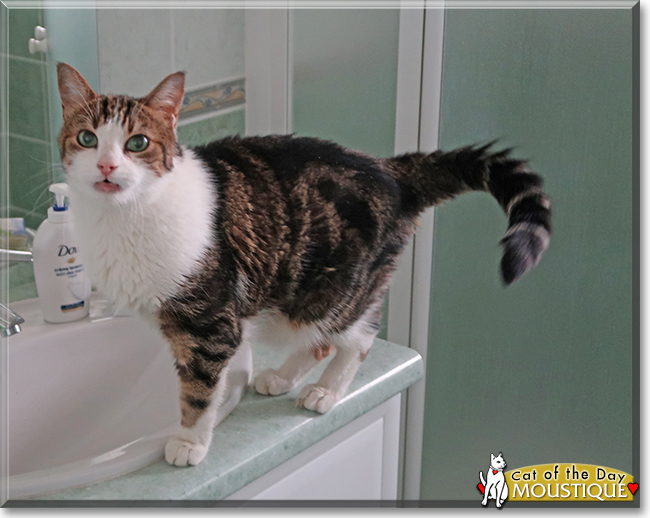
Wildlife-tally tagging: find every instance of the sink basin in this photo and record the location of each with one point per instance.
(90, 400)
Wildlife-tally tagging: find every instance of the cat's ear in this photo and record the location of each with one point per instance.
(73, 88)
(168, 95)
(492, 457)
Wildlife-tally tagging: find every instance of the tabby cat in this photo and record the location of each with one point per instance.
(296, 237)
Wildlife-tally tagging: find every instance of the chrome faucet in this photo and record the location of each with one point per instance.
(9, 257)
(9, 321)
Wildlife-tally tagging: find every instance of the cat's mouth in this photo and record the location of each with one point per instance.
(107, 186)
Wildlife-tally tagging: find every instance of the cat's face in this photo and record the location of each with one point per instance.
(498, 461)
(114, 148)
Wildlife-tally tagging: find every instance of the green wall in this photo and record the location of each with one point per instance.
(30, 163)
(345, 76)
(541, 371)
(28, 168)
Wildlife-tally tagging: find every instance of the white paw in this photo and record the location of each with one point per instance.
(269, 383)
(180, 452)
(314, 397)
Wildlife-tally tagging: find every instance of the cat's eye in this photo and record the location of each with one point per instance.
(87, 138)
(137, 143)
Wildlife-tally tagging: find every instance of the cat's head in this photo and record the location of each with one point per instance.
(498, 461)
(114, 148)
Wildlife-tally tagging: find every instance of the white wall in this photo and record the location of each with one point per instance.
(138, 48)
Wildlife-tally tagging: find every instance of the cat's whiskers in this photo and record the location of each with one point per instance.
(38, 200)
(41, 186)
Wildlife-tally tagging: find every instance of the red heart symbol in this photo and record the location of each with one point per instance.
(633, 487)
(481, 488)
(495, 471)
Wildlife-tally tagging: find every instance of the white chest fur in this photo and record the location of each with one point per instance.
(138, 253)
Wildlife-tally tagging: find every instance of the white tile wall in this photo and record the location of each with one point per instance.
(138, 48)
(208, 44)
(135, 50)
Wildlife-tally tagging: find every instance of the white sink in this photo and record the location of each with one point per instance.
(90, 400)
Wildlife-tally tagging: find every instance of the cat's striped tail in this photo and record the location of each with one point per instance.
(427, 180)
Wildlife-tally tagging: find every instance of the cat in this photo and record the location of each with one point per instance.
(293, 238)
(496, 487)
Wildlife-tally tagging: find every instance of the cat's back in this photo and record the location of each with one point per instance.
(304, 217)
(298, 182)
(291, 158)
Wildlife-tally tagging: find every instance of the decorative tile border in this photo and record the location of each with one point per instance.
(214, 97)
(216, 125)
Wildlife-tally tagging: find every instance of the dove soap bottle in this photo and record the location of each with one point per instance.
(61, 282)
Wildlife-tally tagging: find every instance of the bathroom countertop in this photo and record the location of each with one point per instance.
(261, 433)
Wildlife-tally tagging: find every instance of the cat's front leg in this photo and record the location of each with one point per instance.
(202, 354)
(198, 414)
(486, 496)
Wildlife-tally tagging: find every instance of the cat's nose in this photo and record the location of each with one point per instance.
(106, 168)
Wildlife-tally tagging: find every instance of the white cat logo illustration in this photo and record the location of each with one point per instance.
(496, 487)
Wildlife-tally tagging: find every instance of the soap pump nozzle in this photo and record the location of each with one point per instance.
(59, 212)
(61, 191)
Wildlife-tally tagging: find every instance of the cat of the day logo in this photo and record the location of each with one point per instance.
(564, 482)
(495, 487)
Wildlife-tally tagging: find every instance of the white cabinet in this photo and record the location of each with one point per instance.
(357, 462)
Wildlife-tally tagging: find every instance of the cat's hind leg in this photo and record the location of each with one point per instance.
(300, 362)
(307, 342)
(352, 346)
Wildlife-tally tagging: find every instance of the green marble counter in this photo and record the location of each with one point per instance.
(261, 433)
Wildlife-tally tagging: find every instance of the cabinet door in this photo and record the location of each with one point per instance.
(349, 471)
(358, 462)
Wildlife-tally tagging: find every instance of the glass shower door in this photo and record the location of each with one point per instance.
(520, 370)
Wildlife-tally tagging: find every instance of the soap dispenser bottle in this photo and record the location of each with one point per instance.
(61, 282)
